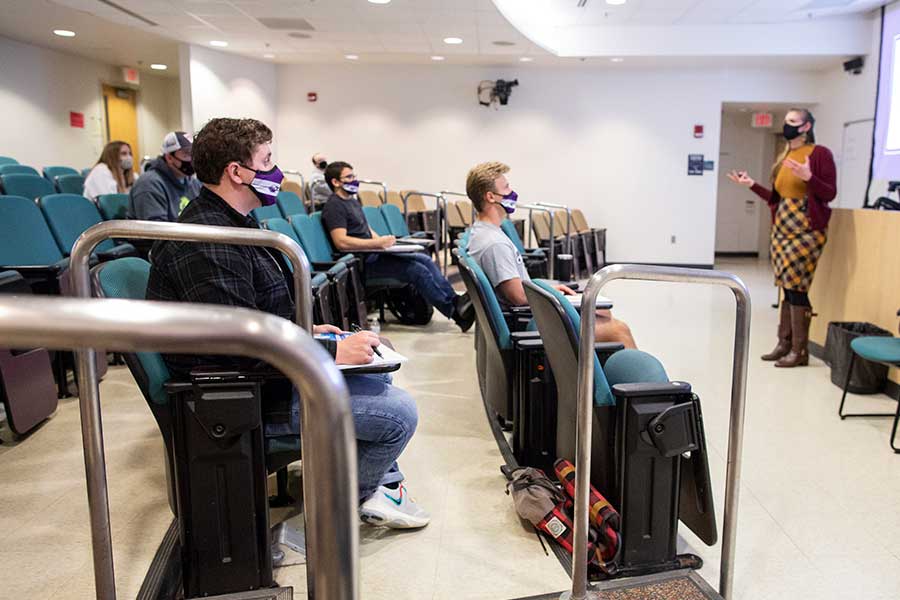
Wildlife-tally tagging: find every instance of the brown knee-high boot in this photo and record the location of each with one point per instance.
(799, 354)
(784, 334)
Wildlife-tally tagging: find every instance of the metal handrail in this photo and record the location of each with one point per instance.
(383, 185)
(461, 195)
(302, 183)
(585, 403)
(551, 270)
(441, 226)
(183, 232)
(568, 222)
(329, 449)
(88, 383)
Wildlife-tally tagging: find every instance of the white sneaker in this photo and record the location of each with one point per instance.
(393, 508)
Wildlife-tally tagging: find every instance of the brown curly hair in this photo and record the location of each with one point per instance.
(222, 141)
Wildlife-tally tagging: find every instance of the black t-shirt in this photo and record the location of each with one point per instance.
(346, 214)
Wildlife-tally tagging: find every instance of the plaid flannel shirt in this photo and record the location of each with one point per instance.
(240, 276)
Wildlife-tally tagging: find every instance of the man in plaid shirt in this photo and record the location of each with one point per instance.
(233, 160)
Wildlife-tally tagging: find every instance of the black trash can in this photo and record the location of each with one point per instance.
(867, 377)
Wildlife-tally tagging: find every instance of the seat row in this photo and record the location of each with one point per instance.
(22, 180)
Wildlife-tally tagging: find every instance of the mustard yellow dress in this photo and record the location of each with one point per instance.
(795, 247)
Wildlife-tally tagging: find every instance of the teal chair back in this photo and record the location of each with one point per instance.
(282, 226)
(263, 213)
(68, 216)
(51, 173)
(86, 171)
(25, 237)
(28, 186)
(126, 278)
(602, 393)
(376, 220)
(486, 296)
(17, 169)
(112, 206)
(510, 230)
(395, 221)
(312, 236)
(70, 184)
(290, 204)
(8, 160)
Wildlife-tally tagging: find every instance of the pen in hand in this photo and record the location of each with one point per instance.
(356, 329)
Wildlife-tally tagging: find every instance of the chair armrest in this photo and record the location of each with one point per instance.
(530, 344)
(120, 251)
(606, 349)
(638, 390)
(525, 335)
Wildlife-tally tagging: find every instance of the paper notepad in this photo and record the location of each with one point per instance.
(389, 358)
(398, 248)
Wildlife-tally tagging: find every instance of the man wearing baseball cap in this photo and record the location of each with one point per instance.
(166, 186)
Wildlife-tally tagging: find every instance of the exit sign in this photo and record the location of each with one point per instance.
(762, 120)
(131, 76)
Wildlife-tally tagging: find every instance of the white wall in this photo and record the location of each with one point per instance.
(226, 85)
(611, 142)
(38, 88)
(847, 98)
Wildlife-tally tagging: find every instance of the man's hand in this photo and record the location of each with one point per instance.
(356, 349)
(565, 290)
(386, 241)
(327, 329)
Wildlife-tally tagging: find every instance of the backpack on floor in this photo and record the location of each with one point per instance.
(409, 306)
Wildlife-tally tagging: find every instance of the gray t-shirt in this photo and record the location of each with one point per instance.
(495, 254)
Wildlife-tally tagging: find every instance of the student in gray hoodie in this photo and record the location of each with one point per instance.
(166, 186)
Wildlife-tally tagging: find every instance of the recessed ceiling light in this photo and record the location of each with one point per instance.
(379, 1)
(452, 40)
(218, 43)
(158, 67)
(526, 59)
(64, 33)
(616, 2)
(503, 43)
(438, 58)
(351, 57)
(268, 55)
(617, 59)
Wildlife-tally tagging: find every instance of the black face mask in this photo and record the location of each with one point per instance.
(322, 165)
(792, 132)
(186, 166)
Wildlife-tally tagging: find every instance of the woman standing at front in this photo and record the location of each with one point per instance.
(804, 181)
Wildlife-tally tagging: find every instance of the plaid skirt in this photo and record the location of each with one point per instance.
(795, 247)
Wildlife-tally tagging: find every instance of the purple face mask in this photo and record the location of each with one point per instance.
(266, 184)
(509, 202)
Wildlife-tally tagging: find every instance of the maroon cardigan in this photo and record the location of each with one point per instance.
(820, 190)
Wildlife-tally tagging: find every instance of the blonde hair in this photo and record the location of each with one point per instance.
(481, 180)
(810, 139)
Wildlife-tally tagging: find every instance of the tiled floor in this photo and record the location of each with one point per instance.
(818, 515)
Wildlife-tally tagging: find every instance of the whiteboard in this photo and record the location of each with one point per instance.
(853, 164)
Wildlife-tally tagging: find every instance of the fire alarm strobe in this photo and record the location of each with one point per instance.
(312, 96)
(698, 131)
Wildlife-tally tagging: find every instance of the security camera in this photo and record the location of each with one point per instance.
(496, 91)
(854, 65)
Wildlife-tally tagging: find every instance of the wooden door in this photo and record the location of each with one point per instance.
(120, 108)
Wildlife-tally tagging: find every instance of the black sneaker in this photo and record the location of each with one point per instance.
(464, 312)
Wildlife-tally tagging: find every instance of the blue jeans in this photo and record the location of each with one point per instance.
(419, 270)
(385, 418)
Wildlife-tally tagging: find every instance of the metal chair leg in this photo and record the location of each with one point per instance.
(846, 385)
(894, 428)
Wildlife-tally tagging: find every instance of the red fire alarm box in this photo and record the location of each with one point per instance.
(762, 120)
(76, 119)
(698, 131)
(312, 96)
